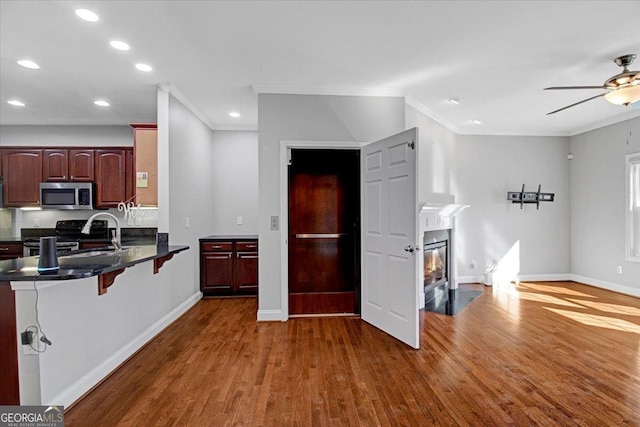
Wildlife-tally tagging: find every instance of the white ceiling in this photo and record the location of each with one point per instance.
(495, 56)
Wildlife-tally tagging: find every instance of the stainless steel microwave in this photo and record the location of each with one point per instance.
(66, 195)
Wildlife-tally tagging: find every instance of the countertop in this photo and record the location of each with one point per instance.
(74, 267)
(10, 240)
(230, 237)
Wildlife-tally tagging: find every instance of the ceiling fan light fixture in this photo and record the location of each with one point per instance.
(624, 95)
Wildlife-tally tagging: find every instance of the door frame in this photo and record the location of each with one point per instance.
(285, 149)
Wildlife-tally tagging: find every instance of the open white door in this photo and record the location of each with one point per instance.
(389, 224)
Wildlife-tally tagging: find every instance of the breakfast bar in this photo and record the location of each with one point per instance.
(96, 309)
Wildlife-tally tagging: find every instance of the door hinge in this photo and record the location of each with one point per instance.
(412, 145)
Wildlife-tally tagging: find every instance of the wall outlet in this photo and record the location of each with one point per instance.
(138, 220)
(619, 269)
(186, 222)
(36, 222)
(239, 220)
(473, 263)
(130, 221)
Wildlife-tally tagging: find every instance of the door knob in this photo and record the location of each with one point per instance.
(409, 248)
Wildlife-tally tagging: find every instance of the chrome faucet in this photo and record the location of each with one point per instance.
(115, 241)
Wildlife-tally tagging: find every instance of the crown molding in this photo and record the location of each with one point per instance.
(173, 90)
(319, 90)
(606, 122)
(247, 128)
(411, 101)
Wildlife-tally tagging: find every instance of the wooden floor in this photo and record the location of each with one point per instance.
(552, 353)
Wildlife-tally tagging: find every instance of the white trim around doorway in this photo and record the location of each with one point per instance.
(285, 147)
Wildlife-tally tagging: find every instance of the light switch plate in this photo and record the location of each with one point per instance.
(275, 223)
(239, 220)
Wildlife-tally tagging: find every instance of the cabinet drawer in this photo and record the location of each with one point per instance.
(11, 249)
(216, 246)
(247, 246)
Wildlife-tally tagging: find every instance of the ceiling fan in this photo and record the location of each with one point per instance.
(623, 88)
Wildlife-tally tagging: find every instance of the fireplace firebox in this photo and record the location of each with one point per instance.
(436, 259)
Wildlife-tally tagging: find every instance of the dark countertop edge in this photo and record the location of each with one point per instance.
(10, 240)
(230, 237)
(83, 273)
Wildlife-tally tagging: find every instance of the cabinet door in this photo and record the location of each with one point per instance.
(246, 273)
(81, 165)
(216, 272)
(55, 165)
(10, 251)
(111, 177)
(22, 172)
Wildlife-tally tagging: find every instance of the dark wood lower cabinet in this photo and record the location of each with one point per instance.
(229, 266)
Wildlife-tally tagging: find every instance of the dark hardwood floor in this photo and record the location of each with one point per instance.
(553, 353)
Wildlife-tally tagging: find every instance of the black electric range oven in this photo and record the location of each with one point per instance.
(69, 235)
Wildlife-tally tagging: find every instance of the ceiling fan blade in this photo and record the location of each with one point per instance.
(578, 103)
(573, 87)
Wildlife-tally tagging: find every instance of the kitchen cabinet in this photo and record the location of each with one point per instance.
(61, 164)
(145, 146)
(81, 164)
(229, 265)
(10, 251)
(113, 176)
(55, 165)
(22, 174)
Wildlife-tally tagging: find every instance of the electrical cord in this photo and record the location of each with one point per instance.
(43, 337)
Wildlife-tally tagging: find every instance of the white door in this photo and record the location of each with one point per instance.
(389, 224)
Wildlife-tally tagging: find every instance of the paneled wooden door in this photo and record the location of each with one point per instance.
(324, 231)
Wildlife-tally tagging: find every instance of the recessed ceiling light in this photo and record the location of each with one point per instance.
(15, 102)
(101, 103)
(87, 15)
(476, 122)
(27, 63)
(117, 44)
(455, 101)
(144, 67)
(234, 114)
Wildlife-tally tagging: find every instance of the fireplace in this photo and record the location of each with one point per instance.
(436, 259)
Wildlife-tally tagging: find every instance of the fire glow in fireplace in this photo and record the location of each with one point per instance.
(436, 260)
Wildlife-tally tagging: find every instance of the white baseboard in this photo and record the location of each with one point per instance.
(84, 384)
(468, 279)
(270, 316)
(627, 290)
(544, 277)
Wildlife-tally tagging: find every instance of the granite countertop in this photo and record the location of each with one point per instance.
(77, 267)
(10, 240)
(230, 237)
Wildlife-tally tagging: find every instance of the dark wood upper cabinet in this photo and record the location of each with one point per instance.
(82, 165)
(22, 172)
(55, 165)
(62, 164)
(114, 176)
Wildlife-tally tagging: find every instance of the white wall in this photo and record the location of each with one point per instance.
(436, 154)
(234, 183)
(598, 206)
(306, 118)
(190, 150)
(487, 167)
(63, 135)
(479, 171)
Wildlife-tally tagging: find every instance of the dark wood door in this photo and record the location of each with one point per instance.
(22, 172)
(81, 165)
(55, 165)
(324, 204)
(114, 176)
